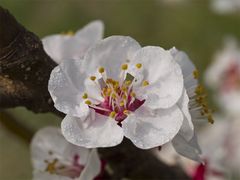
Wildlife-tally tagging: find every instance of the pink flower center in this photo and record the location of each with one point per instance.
(119, 96)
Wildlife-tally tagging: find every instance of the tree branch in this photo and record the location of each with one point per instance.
(24, 72)
(24, 67)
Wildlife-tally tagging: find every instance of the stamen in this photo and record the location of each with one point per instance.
(112, 114)
(68, 33)
(199, 90)
(128, 82)
(88, 102)
(99, 108)
(196, 74)
(51, 167)
(126, 112)
(145, 83)
(101, 70)
(133, 94)
(93, 78)
(139, 65)
(85, 96)
(210, 119)
(122, 103)
(124, 67)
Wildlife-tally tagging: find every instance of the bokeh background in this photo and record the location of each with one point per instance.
(189, 25)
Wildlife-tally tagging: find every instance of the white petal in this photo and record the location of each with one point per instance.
(100, 131)
(54, 46)
(91, 33)
(147, 130)
(92, 168)
(66, 86)
(187, 129)
(110, 53)
(93, 90)
(61, 47)
(187, 67)
(163, 74)
(189, 149)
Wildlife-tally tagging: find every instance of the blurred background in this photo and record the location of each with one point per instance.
(189, 25)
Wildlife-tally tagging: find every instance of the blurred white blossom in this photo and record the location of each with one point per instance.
(55, 158)
(149, 95)
(223, 76)
(225, 6)
(73, 45)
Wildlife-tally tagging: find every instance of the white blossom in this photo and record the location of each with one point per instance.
(119, 88)
(223, 76)
(55, 158)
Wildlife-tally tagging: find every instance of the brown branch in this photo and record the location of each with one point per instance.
(24, 67)
(24, 72)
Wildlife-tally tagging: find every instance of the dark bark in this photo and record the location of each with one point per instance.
(24, 72)
(24, 67)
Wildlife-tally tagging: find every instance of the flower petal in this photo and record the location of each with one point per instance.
(60, 47)
(163, 74)
(187, 67)
(92, 168)
(187, 128)
(94, 131)
(91, 33)
(110, 53)
(147, 130)
(189, 149)
(66, 87)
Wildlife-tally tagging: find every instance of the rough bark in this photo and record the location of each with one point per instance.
(24, 72)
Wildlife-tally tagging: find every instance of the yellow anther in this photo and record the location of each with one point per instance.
(124, 67)
(124, 96)
(122, 103)
(128, 82)
(101, 70)
(88, 102)
(114, 96)
(85, 96)
(210, 119)
(124, 89)
(126, 112)
(139, 65)
(93, 78)
(145, 83)
(68, 33)
(199, 90)
(108, 91)
(112, 114)
(133, 94)
(109, 80)
(51, 167)
(195, 74)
